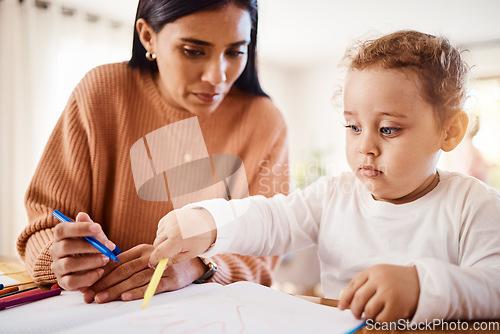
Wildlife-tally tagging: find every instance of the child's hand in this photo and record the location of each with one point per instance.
(383, 293)
(182, 235)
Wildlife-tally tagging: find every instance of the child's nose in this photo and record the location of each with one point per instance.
(368, 144)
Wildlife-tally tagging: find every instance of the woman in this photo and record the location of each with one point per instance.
(190, 59)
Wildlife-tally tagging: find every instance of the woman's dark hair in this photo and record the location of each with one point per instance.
(160, 12)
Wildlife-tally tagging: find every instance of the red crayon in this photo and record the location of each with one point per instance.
(30, 298)
(21, 294)
(16, 292)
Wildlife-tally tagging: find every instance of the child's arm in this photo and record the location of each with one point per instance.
(465, 288)
(470, 287)
(255, 225)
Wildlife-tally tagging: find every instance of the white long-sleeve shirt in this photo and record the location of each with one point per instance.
(451, 235)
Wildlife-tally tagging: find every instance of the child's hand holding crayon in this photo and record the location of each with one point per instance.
(182, 235)
(383, 293)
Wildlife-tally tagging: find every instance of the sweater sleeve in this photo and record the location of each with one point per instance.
(471, 289)
(272, 178)
(61, 181)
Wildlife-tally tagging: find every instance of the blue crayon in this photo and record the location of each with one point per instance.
(91, 240)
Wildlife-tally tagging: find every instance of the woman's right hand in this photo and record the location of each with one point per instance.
(182, 235)
(75, 262)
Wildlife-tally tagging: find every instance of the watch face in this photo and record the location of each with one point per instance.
(209, 263)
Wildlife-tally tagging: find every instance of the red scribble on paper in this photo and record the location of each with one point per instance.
(222, 323)
(167, 323)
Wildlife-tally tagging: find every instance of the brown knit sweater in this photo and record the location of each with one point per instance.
(86, 165)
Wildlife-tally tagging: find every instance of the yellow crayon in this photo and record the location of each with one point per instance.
(150, 291)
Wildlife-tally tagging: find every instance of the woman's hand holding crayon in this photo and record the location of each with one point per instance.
(76, 263)
(182, 235)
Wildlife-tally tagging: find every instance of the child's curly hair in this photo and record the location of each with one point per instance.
(439, 65)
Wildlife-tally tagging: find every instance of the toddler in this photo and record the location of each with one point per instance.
(402, 239)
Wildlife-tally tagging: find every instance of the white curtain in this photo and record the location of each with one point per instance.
(45, 49)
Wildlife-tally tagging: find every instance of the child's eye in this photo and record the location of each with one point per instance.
(192, 52)
(354, 128)
(389, 131)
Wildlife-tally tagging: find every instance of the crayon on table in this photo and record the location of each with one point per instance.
(150, 291)
(30, 298)
(21, 294)
(18, 292)
(91, 240)
(9, 290)
(17, 284)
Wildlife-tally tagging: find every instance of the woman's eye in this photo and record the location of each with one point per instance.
(389, 131)
(235, 53)
(192, 52)
(354, 128)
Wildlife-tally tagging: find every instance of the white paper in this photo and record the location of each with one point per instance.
(6, 280)
(68, 310)
(207, 308)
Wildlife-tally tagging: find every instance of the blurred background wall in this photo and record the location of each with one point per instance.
(47, 46)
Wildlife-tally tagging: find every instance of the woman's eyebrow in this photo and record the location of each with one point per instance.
(205, 43)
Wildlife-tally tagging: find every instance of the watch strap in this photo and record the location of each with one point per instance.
(212, 269)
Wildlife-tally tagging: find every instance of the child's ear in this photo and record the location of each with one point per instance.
(454, 130)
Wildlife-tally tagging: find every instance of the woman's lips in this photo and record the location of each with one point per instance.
(369, 171)
(207, 97)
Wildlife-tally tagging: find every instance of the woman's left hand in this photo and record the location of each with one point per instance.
(129, 278)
